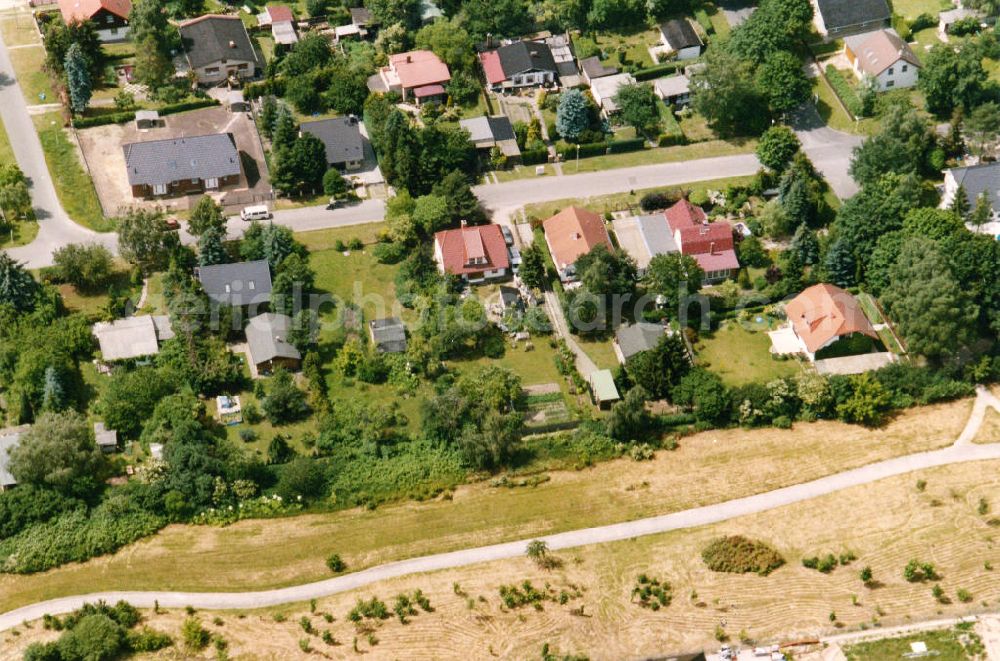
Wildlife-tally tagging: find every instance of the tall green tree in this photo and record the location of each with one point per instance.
(211, 248)
(572, 114)
(84, 266)
(777, 146)
(78, 79)
(532, 271)
(143, 238)
(17, 288)
(58, 452)
(153, 67)
(207, 214)
(147, 19)
(661, 368)
(637, 106)
(783, 82)
(902, 146)
(674, 277)
(950, 79)
(300, 169)
(726, 94)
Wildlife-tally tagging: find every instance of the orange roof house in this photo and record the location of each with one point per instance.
(418, 74)
(476, 253)
(110, 17)
(571, 233)
(822, 314)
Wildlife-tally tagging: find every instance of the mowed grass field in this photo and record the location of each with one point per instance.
(885, 524)
(707, 468)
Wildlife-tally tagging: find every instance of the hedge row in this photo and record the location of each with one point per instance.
(622, 146)
(844, 90)
(568, 152)
(535, 157)
(128, 116)
(657, 71)
(271, 86)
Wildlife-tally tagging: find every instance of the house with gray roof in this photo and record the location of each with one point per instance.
(680, 38)
(182, 166)
(974, 180)
(674, 90)
(488, 132)
(835, 19)
(388, 335)
(217, 48)
(631, 339)
(341, 137)
(236, 285)
(133, 337)
(106, 439)
(267, 342)
(518, 65)
(9, 439)
(644, 237)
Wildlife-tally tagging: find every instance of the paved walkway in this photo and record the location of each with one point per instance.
(584, 365)
(961, 451)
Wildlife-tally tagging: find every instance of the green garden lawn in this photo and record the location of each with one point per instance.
(740, 356)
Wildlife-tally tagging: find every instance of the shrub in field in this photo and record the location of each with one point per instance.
(651, 592)
(335, 564)
(739, 555)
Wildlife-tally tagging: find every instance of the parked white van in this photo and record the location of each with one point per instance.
(259, 212)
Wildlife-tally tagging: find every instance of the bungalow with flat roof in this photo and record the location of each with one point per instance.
(603, 388)
(836, 19)
(711, 244)
(10, 438)
(571, 233)
(883, 56)
(487, 132)
(268, 345)
(236, 285)
(341, 137)
(644, 237)
(631, 339)
(518, 65)
(133, 337)
(823, 314)
(674, 90)
(417, 75)
(182, 166)
(605, 88)
(388, 335)
(218, 47)
(476, 253)
(109, 17)
(680, 38)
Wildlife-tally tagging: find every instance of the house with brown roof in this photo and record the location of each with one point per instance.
(110, 17)
(823, 314)
(883, 56)
(417, 75)
(711, 244)
(571, 233)
(476, 253)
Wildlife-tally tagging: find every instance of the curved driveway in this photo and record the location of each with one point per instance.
(962, 451)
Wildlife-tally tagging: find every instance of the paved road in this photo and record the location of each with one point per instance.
(55, 229)
(828, 149)
(700, 516)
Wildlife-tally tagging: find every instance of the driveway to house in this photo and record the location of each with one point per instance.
(55, 229)
(828, 149)
(962, 451)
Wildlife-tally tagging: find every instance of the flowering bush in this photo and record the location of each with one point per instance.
(264, 507)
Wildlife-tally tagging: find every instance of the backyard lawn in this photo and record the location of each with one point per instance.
(619, 49)
(910, 9)
(740, 356)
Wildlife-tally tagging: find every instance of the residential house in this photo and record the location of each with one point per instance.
(236, 285)
(561, 47)
(182, 166)
(106, 439)
(133, 337)
(605, 88)
(268, 345)
(476, 253)
(109, 17)
(631, 339)
(217, 48)
(644, 237)
(341, 136)
(571, 233)
(711, 244)
(674, 90)
(388, 335)
(836, 19)
(680, 38)
(485, 133)
(282, 23)
(10, 438)
(974, 180)
(417, 75)
(518, 65)
(593, 68)
(823, 314)
(883, 56)
(603, 388)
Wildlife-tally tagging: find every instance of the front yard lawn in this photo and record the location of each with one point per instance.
(19, 30)
(740, 356)
(708, 149)
(28, 66)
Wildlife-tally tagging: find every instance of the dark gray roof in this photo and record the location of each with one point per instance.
(361, 16)
(636, 338)
(243, 283)
(526, 56)
(388, 335)
(594, 68)
(845, 13)
(979, 178)
(509, 296)
(210, 39)
(174, 159)
(680, 34)
(341, 136)
(267, 338)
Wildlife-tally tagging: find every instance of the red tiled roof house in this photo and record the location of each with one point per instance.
(711, 244)
(571, 233)
(476, 253)
(823, 314)
(110, 17)
(418, 75)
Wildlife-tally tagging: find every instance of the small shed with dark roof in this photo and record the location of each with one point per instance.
(267, 341)
(341, 137)
(181, 166)
(489, 132)
(242, 283)
(841, 18)
(593, 68)
(388, 335)
(680, 37)
(632, 339)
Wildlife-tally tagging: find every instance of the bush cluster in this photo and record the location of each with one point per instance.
(652, 593)
(740, 555)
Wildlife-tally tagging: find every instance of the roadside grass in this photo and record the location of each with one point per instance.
(23, 231)
(19, 30)
(694, 151)
(318, 240)
(619, 201)
(34, 80)
(990, 431)
(943, 645)
(740, 356)
(713, 466)
(833, 115)
(73, 186)
(524, 172)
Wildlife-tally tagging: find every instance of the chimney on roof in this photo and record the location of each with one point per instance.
(577, 236)
(232, 44)
(465, 223)
(711, 248)
(409, 58)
